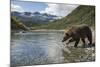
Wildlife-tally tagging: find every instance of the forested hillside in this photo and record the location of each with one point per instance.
(17, 25)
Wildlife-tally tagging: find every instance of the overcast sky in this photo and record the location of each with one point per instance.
(50, 8)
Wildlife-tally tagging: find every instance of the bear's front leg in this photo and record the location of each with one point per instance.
(71, 40)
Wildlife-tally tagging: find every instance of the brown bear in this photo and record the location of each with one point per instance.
(75, 33)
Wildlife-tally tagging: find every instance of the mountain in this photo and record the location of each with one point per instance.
(81, 15)
(36, 18)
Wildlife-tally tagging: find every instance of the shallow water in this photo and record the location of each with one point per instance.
(33, 48)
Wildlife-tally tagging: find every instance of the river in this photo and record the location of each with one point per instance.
(37, 47)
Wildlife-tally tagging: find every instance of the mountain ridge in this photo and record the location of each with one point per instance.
(81, 15)
(29, 18)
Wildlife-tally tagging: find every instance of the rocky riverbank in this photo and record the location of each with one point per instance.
(79, 55)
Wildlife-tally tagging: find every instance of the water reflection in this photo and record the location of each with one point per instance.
(36, 48)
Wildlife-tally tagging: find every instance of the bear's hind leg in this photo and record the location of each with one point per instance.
(83, 40)
(90, 40)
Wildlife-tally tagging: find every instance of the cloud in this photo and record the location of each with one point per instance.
(16, 8)
(59, 9)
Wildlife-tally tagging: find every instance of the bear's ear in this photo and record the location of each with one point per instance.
(67, 34)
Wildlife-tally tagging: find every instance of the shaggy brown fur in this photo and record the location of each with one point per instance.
(75, 33)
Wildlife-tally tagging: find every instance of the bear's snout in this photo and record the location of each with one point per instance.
(63, 40)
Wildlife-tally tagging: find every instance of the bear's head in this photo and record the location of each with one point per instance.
(66, 37)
